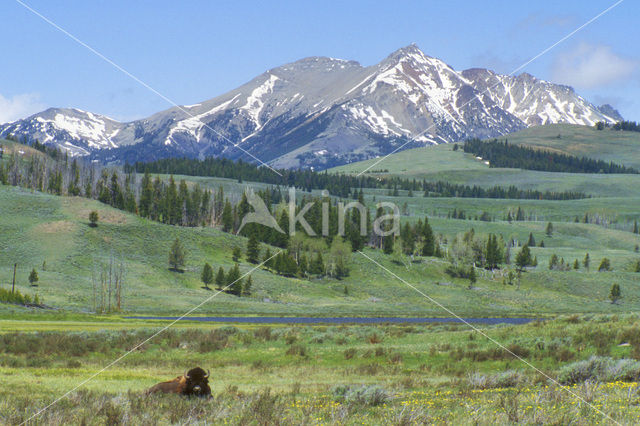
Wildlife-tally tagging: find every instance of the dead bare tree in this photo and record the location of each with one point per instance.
(93, 285)
(119, 280)
(109, 283)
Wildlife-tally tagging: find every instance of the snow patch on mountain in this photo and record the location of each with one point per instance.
(194, 124)
(319, 112)
(255, 103)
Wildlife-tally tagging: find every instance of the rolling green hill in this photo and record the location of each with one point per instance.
(621, 147)
(55, 231)
(443, 163)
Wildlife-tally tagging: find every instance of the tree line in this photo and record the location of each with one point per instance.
(503, 154)
(629, 126)
(341, 185)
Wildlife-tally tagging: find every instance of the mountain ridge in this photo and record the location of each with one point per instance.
(320, 112)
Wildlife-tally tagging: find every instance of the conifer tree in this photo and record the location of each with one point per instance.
(220, 279)
(317, 265)
(428, 239)
(549, 229)
(267, 261)
(472, 277)
(233, 281)
(282, 239)
(177, 255)
(33, 277)
(246, 288)
(253, 249)
(523, 258)
(227, 217)
(146, 195)
(408, 239)
(532, 241)
(615, 293)
(207, 275)
(605, 265)
(387, 244)
(93, 219)
(492, 252)
(236, 254)
(303, 266)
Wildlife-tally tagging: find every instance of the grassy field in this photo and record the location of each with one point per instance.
(56, 232)
(435, 374)
(442, 163)
(608, 145)
(349, 374)
(431, 159)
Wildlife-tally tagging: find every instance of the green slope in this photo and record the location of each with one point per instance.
(37, 227)
(608, 145)
(442, 163)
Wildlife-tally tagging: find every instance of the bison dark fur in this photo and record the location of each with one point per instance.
(194, 382)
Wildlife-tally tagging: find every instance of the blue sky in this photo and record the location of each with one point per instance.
(194, 50)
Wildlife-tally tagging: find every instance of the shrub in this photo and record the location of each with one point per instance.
(603, 369)
(93, 219)
(374, 338)
(395, 358)
(290, 339)
(369, 369)
(298, 350)
(366, 395)
(563, 354)
(518, 350)
(320, 337)
(457, 271)
(349, 353)
(605, 265)
(18, 298)
(263, 333)
(505, 379)
(263, 407)
(601, 339)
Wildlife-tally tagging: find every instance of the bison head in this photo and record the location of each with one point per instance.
(197, 382)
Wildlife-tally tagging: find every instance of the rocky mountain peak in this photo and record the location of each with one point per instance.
(321, 111)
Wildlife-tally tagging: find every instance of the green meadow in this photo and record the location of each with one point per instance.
(418, 374)
(55, 234)
(582, 350)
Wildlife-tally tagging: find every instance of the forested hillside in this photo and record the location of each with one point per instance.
(502, 154)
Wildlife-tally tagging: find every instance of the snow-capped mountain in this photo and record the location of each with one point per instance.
(537, 102)
(320, 112)
(75, 131)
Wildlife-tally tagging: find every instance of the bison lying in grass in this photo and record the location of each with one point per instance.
(194, 382)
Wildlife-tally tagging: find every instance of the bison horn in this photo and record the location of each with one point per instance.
(207, 375)
(186, 376)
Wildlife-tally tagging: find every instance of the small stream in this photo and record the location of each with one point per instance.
(341, 320)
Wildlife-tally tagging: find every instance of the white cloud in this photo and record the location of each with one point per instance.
(591, 66)
(537, 20)
(19, 106)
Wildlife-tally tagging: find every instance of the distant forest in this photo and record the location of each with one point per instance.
(503, 154)
(629, 126)
(340, 185)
